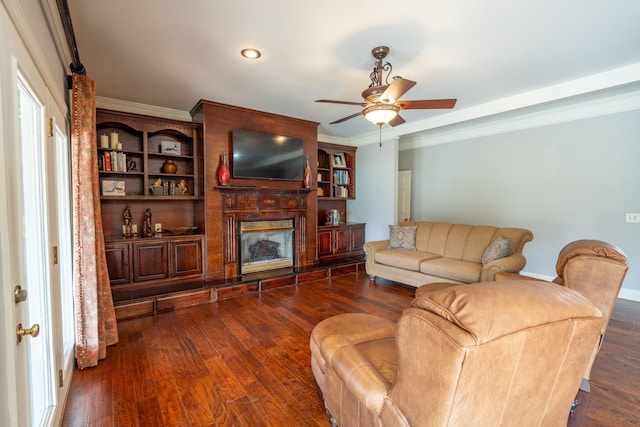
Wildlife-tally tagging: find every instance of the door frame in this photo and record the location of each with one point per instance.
(20, 49)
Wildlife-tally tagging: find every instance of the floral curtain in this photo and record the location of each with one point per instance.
(95, 318)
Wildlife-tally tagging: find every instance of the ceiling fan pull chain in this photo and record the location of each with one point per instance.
(380, 143)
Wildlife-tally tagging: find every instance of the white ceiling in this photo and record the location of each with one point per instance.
(492, 55)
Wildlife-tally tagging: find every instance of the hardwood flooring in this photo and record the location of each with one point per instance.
(246, 362)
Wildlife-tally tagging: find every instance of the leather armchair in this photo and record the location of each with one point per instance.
(484, 354)
(596, 269)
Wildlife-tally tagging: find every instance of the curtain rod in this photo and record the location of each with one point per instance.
(76, 66)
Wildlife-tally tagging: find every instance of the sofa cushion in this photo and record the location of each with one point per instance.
(402, 237)
(405, 259)
(454, 269)
(499, 248)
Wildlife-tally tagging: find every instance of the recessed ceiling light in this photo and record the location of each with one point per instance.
(250, 53)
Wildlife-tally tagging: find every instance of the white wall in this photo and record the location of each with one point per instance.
(566, 181)
(376, 186)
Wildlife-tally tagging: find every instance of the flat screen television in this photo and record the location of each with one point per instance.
(266, 156)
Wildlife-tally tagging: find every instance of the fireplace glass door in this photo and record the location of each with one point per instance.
(266, 245)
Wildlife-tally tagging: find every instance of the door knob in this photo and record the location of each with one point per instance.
(33, 331)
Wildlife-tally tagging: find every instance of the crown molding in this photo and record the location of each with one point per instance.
(52, 13)
(572, 93)
(525, 120)
(137, 108)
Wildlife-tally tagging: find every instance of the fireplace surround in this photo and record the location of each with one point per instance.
(252, 211)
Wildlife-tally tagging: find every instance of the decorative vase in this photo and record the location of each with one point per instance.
(169, 166)
(224, 174)
(307, 173)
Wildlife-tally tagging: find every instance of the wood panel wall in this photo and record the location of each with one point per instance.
(218, 121)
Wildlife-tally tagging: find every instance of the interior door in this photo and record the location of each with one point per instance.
(404, 196)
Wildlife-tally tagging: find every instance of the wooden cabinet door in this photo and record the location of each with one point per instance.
(357, 237)
(325, 242)
(150, 260)
(186, 257)
(118, 263)
(342, 239)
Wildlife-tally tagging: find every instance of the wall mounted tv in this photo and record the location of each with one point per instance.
(266, 156)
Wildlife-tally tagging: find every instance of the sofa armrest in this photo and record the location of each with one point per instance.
(378, 245)
(358, 374)
(501, 275)
(370, 248)
(511, 264)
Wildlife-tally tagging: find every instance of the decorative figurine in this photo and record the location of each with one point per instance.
(156, 188)
(131, 164)
(126, 228)
(182, 187)
(146, 228)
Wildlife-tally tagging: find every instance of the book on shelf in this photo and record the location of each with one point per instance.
(340, 191)
(341, 177)
(112, 161)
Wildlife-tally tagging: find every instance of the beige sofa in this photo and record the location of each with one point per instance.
(446, 252)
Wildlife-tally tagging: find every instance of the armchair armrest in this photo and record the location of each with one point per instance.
(511, 264)
(362, 378)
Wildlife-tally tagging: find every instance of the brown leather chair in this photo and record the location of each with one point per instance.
(485, 354)
(596, 269)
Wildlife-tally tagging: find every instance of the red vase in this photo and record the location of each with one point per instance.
(224, 174)
(307, 174)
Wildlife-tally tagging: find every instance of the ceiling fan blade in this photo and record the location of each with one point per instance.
(341, 102)
(397, 120)
(344, 119)
(396, 89)
(427, 104)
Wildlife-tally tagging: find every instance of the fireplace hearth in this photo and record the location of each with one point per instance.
(266, 245)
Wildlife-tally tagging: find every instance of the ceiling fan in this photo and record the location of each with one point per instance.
(381, 100)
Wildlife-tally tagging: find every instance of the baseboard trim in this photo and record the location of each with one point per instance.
(628, 294)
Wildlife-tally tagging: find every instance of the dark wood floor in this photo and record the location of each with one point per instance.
(246, 362)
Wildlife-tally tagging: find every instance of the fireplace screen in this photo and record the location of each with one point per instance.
(266, 245)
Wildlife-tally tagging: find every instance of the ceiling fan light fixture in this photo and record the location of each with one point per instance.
(380, 114)
(250, 53)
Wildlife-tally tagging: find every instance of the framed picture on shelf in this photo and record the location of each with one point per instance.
(338, 161)
(112, 188)
(170, 147)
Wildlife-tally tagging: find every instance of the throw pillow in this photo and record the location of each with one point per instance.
(499, 248)
(402, 237)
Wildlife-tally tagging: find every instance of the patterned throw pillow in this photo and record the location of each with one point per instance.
(402, 237)
(499, 248)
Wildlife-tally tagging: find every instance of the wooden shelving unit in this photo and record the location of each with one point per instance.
(336, 185)
(128, 172)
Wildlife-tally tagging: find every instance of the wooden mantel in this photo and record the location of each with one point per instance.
(246, 197)
(247, 204)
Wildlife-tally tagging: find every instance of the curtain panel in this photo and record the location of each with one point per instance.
(95, 320)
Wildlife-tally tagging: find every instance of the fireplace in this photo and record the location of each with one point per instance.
(266, 245)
